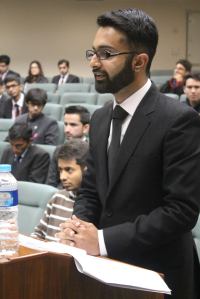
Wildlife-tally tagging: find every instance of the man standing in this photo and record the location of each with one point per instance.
(192, 91)
(76, 126)
(15, 104)
(138, 201)
(64, 77)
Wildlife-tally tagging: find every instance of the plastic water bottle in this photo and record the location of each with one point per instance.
(8, 211)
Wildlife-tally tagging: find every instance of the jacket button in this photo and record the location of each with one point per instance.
(109, 213)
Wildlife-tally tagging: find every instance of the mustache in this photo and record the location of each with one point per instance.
(99, 73)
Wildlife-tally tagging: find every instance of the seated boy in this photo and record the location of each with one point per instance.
(71, 165)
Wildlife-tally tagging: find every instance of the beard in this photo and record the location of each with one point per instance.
(119, 81)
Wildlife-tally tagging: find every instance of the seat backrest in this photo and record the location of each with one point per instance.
(78, 97)
(33, 199)
(5, 124)
(49, 148)
(103, 98)
(61, 137)
(172, 95)
(73, 87)
(183, 98)
(3, 145)
(53, 97)
(53, 110)
(48, 87)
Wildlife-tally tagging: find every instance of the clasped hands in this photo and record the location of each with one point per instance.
(81, 234)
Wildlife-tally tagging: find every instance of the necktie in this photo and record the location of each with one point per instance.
(62, 80)
(119, 114)
(16, 110)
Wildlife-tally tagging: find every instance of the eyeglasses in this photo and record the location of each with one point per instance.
(104, 54)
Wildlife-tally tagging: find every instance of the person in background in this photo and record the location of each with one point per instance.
(71, 166)
(64, 76)
(35, 73)
(29, 162)
(140, 196)
(76, 125)
(192, 91)
(4, 67)
(44, 128)
(15, 104)
(175, 84)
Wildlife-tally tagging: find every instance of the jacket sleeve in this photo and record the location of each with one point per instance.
(39, 168)
(53, 174)
(52, 133)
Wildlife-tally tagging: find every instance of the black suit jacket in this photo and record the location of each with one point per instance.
(7, 109)
(152, 202)
(70, 79)
(33, 167)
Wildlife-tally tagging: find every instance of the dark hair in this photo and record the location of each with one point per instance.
(1, 82)
(11, 78)
(5, 59)
(36, 96)
(20, 130)
(31, 78)
(61, 61)
(139, 28)
(194, 76)
(81, 111)
(187, 65)
(74, 149)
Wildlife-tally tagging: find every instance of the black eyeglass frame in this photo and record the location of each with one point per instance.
(106, 52)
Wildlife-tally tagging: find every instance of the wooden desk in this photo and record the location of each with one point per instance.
(42, 275)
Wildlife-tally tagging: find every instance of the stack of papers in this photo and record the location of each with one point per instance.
(105, 270)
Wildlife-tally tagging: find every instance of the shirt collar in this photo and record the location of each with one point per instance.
(20, 102)
(131, 103)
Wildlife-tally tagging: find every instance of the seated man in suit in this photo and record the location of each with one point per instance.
(64, 77)
(175, 84)
(15, 105)
(192, 91)
(71, 165)
(76, 125)
(4, 67)
(45, 129)
(29, 162)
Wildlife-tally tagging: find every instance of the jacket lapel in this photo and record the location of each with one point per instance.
(135, 131)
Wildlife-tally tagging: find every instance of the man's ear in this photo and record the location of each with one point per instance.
(140, 62)
(86, 129)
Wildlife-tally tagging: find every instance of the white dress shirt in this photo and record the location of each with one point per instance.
(63, 79)
(20, 103)
(130, 105)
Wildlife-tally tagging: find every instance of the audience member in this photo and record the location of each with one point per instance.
(4, 67)
(71, 165)
(192, 90)
(29, 162)
(64, 77)
(35, 73)
(139, 198)
(176, 83)
(15, 104)
(76, 125)
(45, 129)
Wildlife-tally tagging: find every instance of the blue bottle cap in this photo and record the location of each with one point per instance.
(5, 168)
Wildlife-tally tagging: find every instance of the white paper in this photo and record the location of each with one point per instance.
(106, 270)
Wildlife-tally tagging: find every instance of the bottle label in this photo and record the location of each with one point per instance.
(8, 198)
